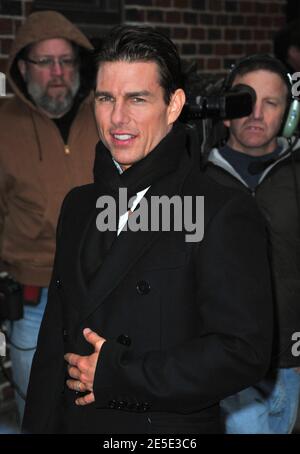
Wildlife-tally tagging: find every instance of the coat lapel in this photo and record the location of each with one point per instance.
(126, 250)
(73, 244)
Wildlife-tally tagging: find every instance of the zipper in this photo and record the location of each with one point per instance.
(67, 149)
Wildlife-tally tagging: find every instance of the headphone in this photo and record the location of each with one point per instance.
(269, 63)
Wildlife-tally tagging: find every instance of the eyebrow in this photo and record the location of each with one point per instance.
(131, 94)
(53, 56)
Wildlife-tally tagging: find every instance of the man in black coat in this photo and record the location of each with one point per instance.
(149, 324)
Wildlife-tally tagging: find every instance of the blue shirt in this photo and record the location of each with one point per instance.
(241, 162)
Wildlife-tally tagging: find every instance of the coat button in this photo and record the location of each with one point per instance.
(145, 406)
(121, 405)
(143, 287)
(65, 335)
(112, 404)
(138, 406)
(58, 283)
(124, 340)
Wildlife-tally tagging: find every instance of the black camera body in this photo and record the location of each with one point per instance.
(11, 298)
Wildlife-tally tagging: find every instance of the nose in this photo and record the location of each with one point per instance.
(119, 115)
(56, 68)
(257, 112)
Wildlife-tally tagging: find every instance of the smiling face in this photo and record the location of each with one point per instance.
(131, 113)
(256, 134)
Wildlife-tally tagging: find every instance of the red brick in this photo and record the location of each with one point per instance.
(180, 33)
(265, 21)
(246, 7)
(181, 3)
(215, 5)
(6, 46)
(232, 6)
(213, 63)
(155, 16)
(17, 24)
(252, 20)
(214, 33)
(222, 19)
(200, 63)
(173, 17)
(190, 18)
(230, 34)
(189, 49)
(206, 19)
(274, 8)
(261, 7)
(3, 64)
(245, 34)
(238, 20)
(205, 49)
(197, 33)
(251, 48)
(237, 48)
(260, 34)
(222, 49)
(134, 15)
(6, 26)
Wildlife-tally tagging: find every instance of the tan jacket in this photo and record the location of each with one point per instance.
(37, 169)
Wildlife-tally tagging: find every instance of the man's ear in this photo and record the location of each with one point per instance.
(227, 123)
(22, 68)
(176, 105)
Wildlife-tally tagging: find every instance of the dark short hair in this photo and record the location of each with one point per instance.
(144, 44)
(257, 62)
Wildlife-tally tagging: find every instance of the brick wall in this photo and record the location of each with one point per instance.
(11, 15)
(212, 32)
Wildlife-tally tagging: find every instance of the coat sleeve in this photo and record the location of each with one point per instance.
(43, 405)
(233, 351)
(47, 372)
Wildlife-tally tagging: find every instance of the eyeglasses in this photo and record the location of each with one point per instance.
(49, 62)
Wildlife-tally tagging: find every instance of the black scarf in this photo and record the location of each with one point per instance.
(164, 159)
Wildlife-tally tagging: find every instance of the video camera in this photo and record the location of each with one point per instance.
(208, 104)
(235, 103)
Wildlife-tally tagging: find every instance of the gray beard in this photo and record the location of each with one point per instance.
(56, 107)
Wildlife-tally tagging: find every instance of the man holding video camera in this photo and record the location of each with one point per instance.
(47, 140)
(255, 160)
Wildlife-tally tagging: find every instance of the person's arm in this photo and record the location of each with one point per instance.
(3, 205)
